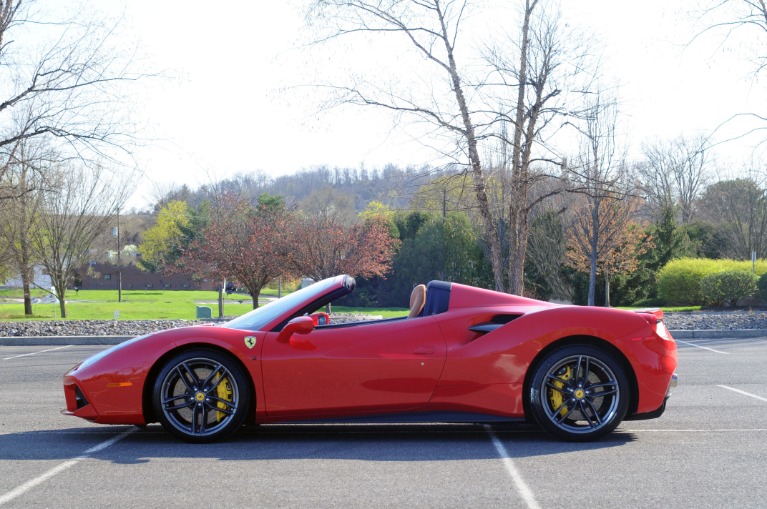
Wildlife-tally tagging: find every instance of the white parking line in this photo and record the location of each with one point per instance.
(522, 488)
(696, 430)
(35, 353)
(17, 492)
(743, 392)
(702, 347)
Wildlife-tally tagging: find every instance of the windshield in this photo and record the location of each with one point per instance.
(259, 318)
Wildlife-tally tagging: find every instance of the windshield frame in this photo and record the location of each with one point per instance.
(261, 318)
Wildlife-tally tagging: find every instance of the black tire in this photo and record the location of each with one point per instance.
(579, 393)
(201, 396)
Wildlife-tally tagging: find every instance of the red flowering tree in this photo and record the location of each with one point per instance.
(245, 243)
(325, 248)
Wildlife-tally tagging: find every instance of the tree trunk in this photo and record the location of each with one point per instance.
(594, 254)
(607, 288)
(490, 229)
(518, 233)
(24, 257)
(26, 283)
(61, 294)
(27, 298)
(518, 212)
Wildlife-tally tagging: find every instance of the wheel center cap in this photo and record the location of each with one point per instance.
(200, 396)
(579, 393)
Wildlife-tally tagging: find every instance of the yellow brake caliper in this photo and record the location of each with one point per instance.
(223, 391)
(555, 397)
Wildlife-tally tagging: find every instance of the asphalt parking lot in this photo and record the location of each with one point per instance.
(708, 450)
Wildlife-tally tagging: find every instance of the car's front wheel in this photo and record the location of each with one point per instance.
(201, 395)
(579, 393)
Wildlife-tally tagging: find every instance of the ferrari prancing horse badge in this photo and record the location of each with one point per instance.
(250, 341)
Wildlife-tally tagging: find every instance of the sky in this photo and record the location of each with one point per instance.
(232, 96)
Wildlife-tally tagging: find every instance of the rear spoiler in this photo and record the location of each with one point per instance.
(653, 315)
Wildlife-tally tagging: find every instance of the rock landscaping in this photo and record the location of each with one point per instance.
(119, 327)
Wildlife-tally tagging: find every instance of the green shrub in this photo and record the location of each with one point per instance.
(762, 285)
(648, 303)
(728, 287)
(679, 282)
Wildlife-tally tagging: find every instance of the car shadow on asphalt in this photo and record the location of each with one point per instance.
(406, 442)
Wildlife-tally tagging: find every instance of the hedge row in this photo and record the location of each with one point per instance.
(679, 282)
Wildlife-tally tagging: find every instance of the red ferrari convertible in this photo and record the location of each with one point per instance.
(463, 354)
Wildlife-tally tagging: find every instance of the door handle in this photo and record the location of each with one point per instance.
(424, 350)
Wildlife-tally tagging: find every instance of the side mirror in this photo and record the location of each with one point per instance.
(320, 318)
(298, 325)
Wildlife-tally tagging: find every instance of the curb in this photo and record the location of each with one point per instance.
(63, 340)
(116, 340)
(719, 334)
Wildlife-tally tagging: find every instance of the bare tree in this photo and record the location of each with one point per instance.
(81, 203)
(739, 24)
(738, 208)
(727, 17)
(5, 266)
(600, 176)
(331, 206)
(542, 70)
(20, 216)
(674, 174)
(433, 28)
(547, 244)
(63, 79)
(457, 105)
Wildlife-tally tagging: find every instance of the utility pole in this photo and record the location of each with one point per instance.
(221, 299)
(116, 233)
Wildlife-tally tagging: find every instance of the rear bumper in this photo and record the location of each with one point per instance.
(657, 413)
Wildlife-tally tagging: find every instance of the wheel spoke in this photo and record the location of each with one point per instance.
(203, 418)
(551, 385)
(230, 405)
(187, 375)
(560, 420)
(215, 371)
(553, 379)
(193, 424)
(166, 403)
(594, 414)
(613, 388)
(577, 369)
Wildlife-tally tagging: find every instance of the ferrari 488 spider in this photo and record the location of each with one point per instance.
(463, 354)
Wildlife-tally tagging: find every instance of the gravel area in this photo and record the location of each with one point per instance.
(717, 320)
(703, 320)
(89, 327)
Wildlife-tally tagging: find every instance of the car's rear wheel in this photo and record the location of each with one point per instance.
(579, 393)
(201, 395)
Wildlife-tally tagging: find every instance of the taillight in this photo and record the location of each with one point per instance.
(654, 318)
(662, 331)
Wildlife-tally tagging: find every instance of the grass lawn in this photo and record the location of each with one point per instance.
(164, 305)
(383, 312)
(146, 305)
